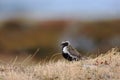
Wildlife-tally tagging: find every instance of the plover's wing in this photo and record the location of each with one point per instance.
(73, 51)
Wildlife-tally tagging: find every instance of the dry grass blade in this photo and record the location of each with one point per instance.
(14, 62)
(52, 58)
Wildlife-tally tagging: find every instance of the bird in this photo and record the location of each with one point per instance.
(70, 53)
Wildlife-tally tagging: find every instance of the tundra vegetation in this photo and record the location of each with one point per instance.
(104, 67)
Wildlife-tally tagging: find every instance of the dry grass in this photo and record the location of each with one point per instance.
(104, 67)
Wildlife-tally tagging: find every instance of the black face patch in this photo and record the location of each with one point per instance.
(65, 44)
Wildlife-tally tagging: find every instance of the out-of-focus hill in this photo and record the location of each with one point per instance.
(21, 34)
(15, 35)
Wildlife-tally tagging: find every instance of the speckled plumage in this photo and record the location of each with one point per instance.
(69, 52)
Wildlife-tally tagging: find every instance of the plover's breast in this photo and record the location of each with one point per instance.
(65, 50)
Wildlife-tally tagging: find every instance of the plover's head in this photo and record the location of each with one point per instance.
(65, 43)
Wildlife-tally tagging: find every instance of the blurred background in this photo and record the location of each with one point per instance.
(92, 27)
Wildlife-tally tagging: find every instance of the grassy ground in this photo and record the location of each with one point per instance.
(104, 67)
